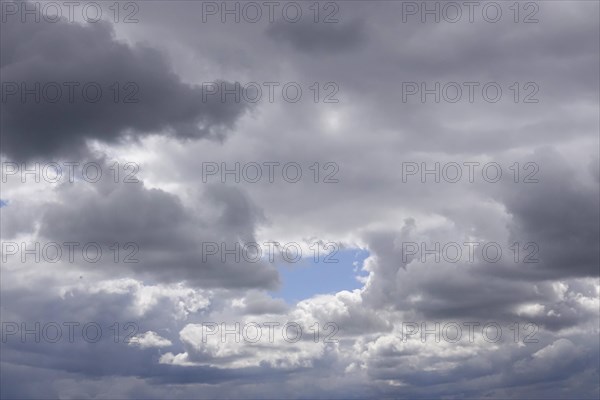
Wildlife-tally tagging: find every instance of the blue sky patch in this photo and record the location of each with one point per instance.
(307, 278)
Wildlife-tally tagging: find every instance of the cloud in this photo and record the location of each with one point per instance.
(164, 238)
(150, 339)
(151, 97)
(322, 39)
(171, 292)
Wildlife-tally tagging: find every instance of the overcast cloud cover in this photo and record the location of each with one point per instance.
(167, 58)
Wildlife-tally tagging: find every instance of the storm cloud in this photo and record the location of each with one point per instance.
(377, 160)
(65, 83)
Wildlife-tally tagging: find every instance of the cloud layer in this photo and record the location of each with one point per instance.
(167, 324)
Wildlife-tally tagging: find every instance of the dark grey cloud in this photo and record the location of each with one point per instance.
(152, 97)
(569, 239)
(327, 38)
(169, 234)
(567, 248)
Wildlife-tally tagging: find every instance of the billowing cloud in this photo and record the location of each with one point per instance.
(65, 83)
(416, 323)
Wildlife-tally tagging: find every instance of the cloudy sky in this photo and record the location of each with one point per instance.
(351, 199)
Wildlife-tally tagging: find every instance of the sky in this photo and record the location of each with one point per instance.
(311, 199)
(307, 278)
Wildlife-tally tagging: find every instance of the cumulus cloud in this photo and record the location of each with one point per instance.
(163, 317)
(91, 86)
(150, 339)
